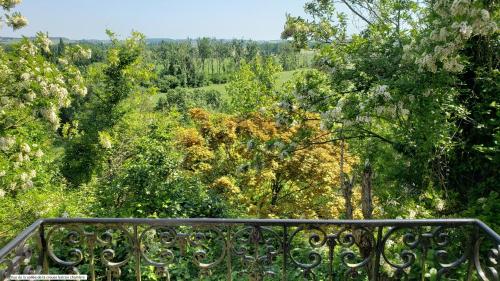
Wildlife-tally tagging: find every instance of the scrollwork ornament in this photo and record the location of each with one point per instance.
(22, 256)
(491, 271)
(442, 238)
(162, 271)
(257, 247)
(20, 260)
(363, 239)
(199, 240)
(166, 238)
(9, 268)
(73, 238)
(106, 239)
(408, 257)
(315, 240)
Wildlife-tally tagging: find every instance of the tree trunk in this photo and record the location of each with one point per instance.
(345, 183)
(366, 192)
(347, 190)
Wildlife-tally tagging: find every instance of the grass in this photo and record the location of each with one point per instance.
(282, 78)
(219, 87)
(286, 76)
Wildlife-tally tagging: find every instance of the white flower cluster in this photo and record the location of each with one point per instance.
(50, 115)
(16, 20)
(29, 48)
(482, 23)
(43, 42)
(61, 94)
(458, 23)
(329, 117)
(306, 98)
(80, 90)
(9, 4)
(6, 143)
(332, 114)
(427, 61)
(440, 36)
(459, 7)
(80, 53)
(453, 65)
(19, 169)
(363, 119)
(464, 29)
(31, 90)
(387, 106)
(381, 90)
(26, 178)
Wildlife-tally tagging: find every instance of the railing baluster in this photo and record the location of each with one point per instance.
(108, 274)
(229, 247)
(470, 266)
(137, 254)
(331, 243)
(285, 252)
(423, 257)
(378, 252)
(44, 262)
(91, 240)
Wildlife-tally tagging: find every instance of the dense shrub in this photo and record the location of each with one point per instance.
(183, 99)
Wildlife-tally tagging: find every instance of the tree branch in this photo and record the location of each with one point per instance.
(356, 12)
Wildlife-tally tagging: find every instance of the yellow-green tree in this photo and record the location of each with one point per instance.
(259, 168)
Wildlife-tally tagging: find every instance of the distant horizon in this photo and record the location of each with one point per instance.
(147, 38)
(258, 20)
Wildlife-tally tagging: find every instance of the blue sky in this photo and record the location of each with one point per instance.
(178, 19)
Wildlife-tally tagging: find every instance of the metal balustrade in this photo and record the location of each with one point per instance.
(237, 249)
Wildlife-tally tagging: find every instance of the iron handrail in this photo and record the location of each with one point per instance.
(350, 233)
(266, 222)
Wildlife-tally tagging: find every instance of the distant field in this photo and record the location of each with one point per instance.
(286, 76)
(283, 77)
(219, 87)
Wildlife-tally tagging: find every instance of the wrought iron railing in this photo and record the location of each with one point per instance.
(227, 249)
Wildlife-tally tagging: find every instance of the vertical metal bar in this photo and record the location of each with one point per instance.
(137, 254)
(91, 239)
(285, 253)
(470, 268)
(108, 274)
(423, 264)
(43, 259)
(331, 251)
(378, 252)
(229, 247)
(472, 240)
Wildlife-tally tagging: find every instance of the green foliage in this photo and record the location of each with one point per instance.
(414, 93)
(33, 90)
(205, 61)
(183, 99)
(147, 183)
(253, 86)
(113, 81)
(258, 168)
(40, 202)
